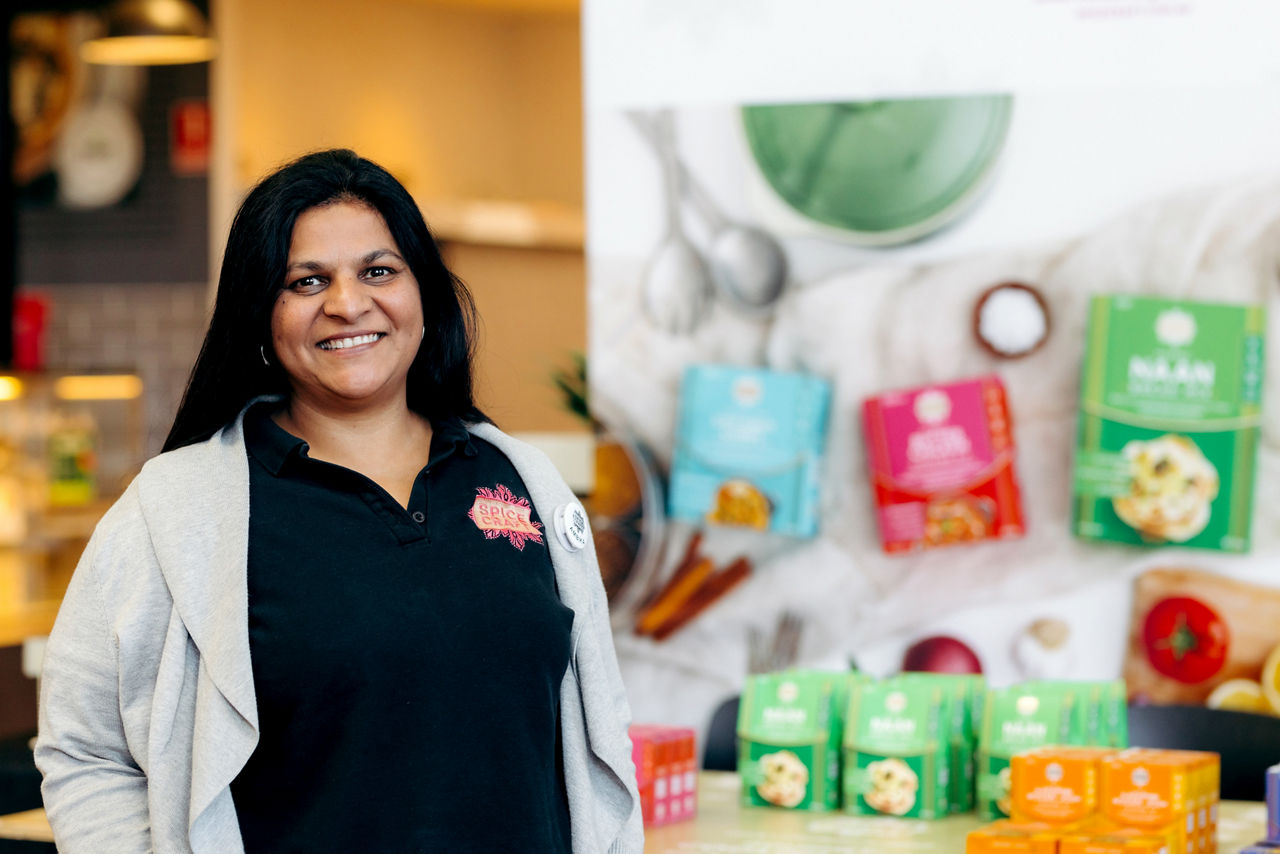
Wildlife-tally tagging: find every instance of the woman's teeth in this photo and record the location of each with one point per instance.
(344, 343)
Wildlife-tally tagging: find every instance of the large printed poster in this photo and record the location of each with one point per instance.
(942, 235)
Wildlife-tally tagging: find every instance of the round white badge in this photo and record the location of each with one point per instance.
(571, 526)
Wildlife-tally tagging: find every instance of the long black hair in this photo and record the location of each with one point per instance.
(230, 370)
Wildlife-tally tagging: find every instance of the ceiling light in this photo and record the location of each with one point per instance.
(151, 32)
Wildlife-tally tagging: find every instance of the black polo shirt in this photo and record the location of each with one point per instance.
(407, 663)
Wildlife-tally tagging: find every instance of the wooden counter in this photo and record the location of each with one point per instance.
(29, 826)
(723, 827)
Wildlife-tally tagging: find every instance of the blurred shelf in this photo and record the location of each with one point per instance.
(534, 225)
(35, 572)
(18, 623)
(59, 524)
(521, 6)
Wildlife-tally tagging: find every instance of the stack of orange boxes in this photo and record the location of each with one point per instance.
(666, 772)
(1168, 793)
(1053, 792)
(1081, 800)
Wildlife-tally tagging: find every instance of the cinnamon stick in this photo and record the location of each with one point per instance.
(683, 568)
(715, 587)
(674, 596)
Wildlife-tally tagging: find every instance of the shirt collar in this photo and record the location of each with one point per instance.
(268, 442)
(449, 435)
(273, 446)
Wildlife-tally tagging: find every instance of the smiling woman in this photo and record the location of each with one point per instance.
(337, 573)
(349, 326)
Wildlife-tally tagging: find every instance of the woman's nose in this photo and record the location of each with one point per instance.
(346, 297)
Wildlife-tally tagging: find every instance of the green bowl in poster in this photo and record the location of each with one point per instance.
(882, 172)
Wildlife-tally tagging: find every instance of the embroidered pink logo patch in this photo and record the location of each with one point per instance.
(499, 512)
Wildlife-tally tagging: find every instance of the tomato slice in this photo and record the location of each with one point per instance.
(1185, 639)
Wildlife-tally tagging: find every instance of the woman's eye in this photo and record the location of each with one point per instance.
(379, 272)
(307, 285)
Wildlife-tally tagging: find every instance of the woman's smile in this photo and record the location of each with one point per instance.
(346, 343)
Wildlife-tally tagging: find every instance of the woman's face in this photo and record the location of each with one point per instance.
(348, 323)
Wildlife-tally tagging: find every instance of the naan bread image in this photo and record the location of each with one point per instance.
(785, 778)
(1172, 486)
(893, 786)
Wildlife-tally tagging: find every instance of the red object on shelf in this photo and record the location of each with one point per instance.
(30, 316)
(190, 136)
(666, 772)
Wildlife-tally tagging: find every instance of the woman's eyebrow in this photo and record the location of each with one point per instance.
(378, 253)
(367, 259)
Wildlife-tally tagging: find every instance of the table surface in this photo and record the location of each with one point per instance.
(723, 826)
(29, 826)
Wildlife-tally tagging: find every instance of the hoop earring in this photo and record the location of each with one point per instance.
(263, 354)
(424, 332)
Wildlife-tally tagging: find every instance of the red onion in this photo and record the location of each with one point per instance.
(941, 654)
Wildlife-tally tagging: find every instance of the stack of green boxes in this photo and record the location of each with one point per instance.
(1042, 714)
(915, 745)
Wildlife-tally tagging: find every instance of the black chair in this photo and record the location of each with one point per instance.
(1247, 743)
(720, 747)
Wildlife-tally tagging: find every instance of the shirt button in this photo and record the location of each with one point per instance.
(418, 516)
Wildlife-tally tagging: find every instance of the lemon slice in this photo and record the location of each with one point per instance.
(1241, 695)
(1271, 680)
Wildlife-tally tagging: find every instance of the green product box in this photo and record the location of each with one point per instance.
(1041, 714)
(1019, 718)
(1116, 715)
(896, 759)
(1169, 425)
(966, 691)
(789, 731)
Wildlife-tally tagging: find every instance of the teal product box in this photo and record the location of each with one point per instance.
(748, 449)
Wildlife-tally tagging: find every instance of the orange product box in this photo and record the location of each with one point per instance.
(1212, 771)
(1173, 839)
(1058, 785)
(941, 460)
(1147, 788)
(1208, 772)
(1013, 837)
(1117, 841)
(665, 758)
(1159, 790)
(1203, 770)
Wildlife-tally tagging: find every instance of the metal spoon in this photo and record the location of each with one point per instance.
(677, 286)
(748, 265)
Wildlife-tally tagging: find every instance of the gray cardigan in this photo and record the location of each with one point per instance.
(147, 704)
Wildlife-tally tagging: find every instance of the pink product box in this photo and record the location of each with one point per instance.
(941, 460)
(666, 772)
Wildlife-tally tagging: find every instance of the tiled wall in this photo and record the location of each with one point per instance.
(152, 330)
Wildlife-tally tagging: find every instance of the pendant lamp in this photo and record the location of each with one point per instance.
(151, 32)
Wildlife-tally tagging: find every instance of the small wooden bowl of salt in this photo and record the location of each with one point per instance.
(1011, 320)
